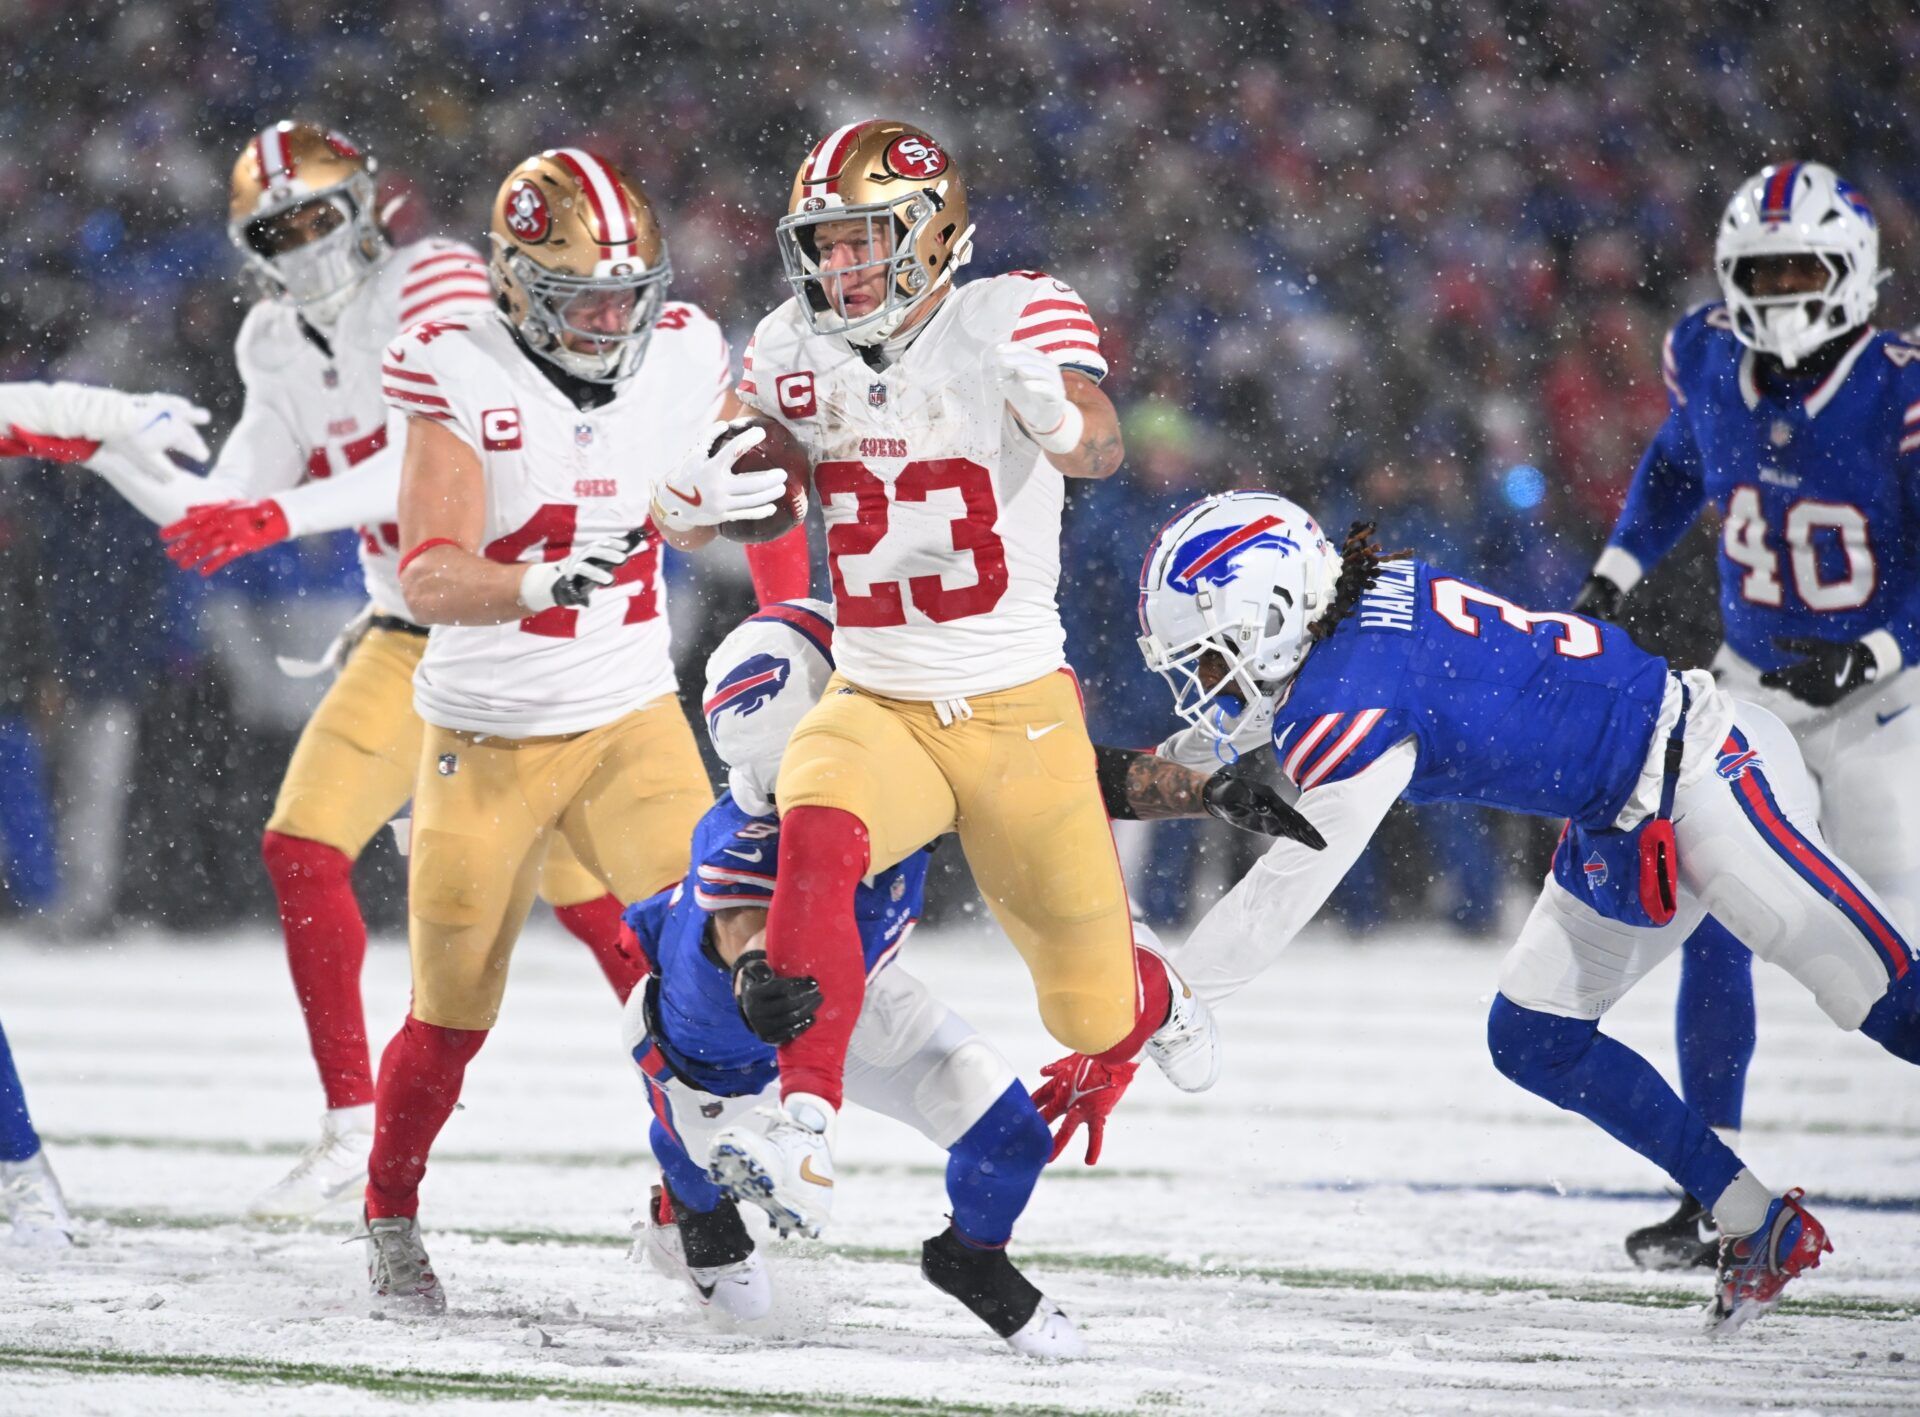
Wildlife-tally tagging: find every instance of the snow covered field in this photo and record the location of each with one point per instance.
(1363, 1217)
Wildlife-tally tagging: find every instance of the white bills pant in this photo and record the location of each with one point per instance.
(1751, 852)
(911, 1058)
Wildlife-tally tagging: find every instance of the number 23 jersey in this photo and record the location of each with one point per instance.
(942, 515)
(557, 476)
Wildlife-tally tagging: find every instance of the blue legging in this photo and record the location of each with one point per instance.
(18, 1140)
(27, 866)
(1714, 1023)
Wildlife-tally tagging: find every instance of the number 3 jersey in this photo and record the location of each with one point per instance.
(557, 476)
(1547, 714)
(942, 515)
(1817, 483)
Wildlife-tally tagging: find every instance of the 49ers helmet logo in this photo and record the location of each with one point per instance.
(528, 216)
(914, 157)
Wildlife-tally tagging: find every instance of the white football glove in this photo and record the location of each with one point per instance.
(137, 432)
(705, 490)
(572, 579)
(1034, 387)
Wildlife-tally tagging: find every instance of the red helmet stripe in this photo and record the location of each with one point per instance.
(610, 210)
(823, 163)
(270, 151)
(1777, 204)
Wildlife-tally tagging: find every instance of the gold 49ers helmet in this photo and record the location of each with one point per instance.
(302, 213)
(579, 265)
(902, 184)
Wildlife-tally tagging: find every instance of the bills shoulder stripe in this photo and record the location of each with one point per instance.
(1913, 413)
(1910, 442)
(1756, 799)
(1310, 740)
(1342, 748)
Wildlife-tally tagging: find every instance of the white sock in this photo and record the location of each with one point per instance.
(1742, 1207)
(351, 1119)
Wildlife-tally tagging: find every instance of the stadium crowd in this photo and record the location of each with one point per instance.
(1412, 259)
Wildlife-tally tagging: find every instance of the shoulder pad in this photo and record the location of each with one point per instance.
(268, 341)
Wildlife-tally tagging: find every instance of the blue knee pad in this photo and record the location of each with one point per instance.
(1894, 1022)
(18, 1140)
(1572, 1064)
(1714, 1022)
(992, 1170)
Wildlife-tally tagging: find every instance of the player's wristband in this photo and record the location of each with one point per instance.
(425, 546)
(1066, 437)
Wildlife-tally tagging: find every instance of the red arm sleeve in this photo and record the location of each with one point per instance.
(779, 567)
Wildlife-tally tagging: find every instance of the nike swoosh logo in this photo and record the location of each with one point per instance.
(1883, 719)
(807, 1173)
(693, 501)
(753, 856)
(1034, 734)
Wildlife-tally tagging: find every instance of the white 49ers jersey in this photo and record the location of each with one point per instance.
(313, 413)
(557, 477)
(943, 517)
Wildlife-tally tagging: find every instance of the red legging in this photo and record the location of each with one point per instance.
(823, 854)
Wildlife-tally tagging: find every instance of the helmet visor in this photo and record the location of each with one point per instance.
(282, 232)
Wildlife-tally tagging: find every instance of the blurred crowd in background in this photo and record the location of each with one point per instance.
(1401, 260)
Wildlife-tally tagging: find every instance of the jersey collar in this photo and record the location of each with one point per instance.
(1823, 392)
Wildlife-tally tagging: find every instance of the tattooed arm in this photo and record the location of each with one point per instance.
(1099, 452)
(1144, 787)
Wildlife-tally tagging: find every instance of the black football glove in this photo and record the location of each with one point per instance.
(1600, 599)
(1829, 671)
(777, 1008)
(1255, 807)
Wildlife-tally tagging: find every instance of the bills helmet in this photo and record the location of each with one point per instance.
(764, 675)
(579, 264)
(1243, 575)
(301, 209)
(1797, 209)
(902, 184)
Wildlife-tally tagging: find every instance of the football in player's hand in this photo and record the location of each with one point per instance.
(781, 450)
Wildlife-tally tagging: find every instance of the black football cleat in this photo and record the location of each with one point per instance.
(1687, 1239)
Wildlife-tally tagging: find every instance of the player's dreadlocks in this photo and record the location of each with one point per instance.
(1360, 558)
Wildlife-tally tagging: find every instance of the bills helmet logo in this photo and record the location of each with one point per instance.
(1733, 766)
(1596, 872)
(748, 687)
(1853, 199)
(1212, 558)
(914, 158)
(528, 216)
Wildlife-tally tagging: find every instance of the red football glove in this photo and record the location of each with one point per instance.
(213, 534)
(1078, 1090)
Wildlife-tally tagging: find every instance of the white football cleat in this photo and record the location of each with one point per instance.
(332, 1170)
(1187, 1046)
(738, 1288)
(1048, 1334)
(400, 1277)
(781, 1161)
(30, 1198)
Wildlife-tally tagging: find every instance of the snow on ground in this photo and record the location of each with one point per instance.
(1363, 1217)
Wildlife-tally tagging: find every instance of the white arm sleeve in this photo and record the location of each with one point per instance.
(51, 410)
(1259, 917)
(365, 495)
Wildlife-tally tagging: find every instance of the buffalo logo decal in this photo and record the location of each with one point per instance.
(1211, 558)
(747, 687)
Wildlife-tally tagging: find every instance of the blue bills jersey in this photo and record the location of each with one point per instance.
(1817, 485)
(1545, 713)
(690, 1010)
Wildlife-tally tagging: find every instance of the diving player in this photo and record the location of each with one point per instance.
(696, 1031)
(310, 454)
(942, 419)
(133, 436)
(1800, 424)
(1388, 678)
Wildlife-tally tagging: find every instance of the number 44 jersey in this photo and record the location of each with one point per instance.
(1817, 484)
(557, 476)
(942, 516)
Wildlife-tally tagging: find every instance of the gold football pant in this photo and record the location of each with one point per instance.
(1016, 780)
(354, 765)
(625, 797)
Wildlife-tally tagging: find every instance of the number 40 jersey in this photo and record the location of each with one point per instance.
(942, 516)
(557, 476)
(1818, 487)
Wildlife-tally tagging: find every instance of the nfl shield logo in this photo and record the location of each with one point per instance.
(1596, 871)
(710, 1110)
(1782, 433)
(877, 395)
(583, 435)
(449, 764)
